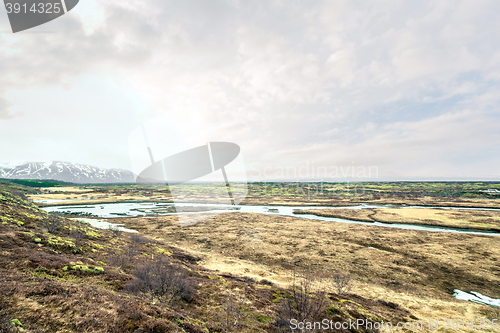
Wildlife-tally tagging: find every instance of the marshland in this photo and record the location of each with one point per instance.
(242, 269)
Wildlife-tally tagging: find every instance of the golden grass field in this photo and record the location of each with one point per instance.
(456, 218)
(415, 269)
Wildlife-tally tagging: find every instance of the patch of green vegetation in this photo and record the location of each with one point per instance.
(333, 310)
(16, 323)
(93, 234)
(20, 224)
(263, 319)
(348, 300)
(163, 251)
(79, 266)
(58, 241)
(6, 220)
(97, 246)
(42, 274)
(279, 295)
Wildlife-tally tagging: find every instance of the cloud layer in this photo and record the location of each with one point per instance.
(409, 87)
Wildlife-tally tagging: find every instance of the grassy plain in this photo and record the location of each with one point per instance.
(454, 218)
(59, 275)
(325, 194)
(415, 271)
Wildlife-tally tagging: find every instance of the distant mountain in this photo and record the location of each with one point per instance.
(65, 171)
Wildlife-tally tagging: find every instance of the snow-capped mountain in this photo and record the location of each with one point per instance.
(65, 171)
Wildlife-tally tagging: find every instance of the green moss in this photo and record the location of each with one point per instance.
(20, 224)
(348, 300)
(163, 251)
(263, 319)
(93, 234)
(42, 274)
(16, 323)
(80, 266)
(37, 240)
(332, 310)
(58, 241)
(278, 296)
(99, 246)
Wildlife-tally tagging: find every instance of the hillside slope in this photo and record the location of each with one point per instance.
(59, 275)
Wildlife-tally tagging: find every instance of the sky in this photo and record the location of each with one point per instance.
(379, 90)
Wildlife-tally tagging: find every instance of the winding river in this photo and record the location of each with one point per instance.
(132, 209)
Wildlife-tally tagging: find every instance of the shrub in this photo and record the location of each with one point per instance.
(119, 260)
(130, 251)
(342, 283)
(306, 300)
(138, 238)
(162, 280)
(52, 223)
(114, 229)
(77, 234)
(232, 315)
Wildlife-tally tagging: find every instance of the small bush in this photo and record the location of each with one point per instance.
(77, 234)
(138, 238)
(232, 315)
(306, 300)
(119, 260)
(115, 229)
(162, 280)
(52, 223)
(342, 283)
(130, 251)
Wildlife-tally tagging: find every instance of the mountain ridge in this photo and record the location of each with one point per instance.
(65, 171)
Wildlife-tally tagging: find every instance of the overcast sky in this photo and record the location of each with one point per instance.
(398, 89)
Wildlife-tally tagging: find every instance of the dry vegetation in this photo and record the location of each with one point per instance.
(414, 269)
(59, 275)
(455, 218)
(239, 272)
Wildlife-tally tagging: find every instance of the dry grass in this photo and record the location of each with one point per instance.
(66, 282)
(455, 218)
(417, 270)
(364, 215)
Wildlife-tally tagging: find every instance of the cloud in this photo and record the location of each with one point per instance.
(409, 86)
(5, 114)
